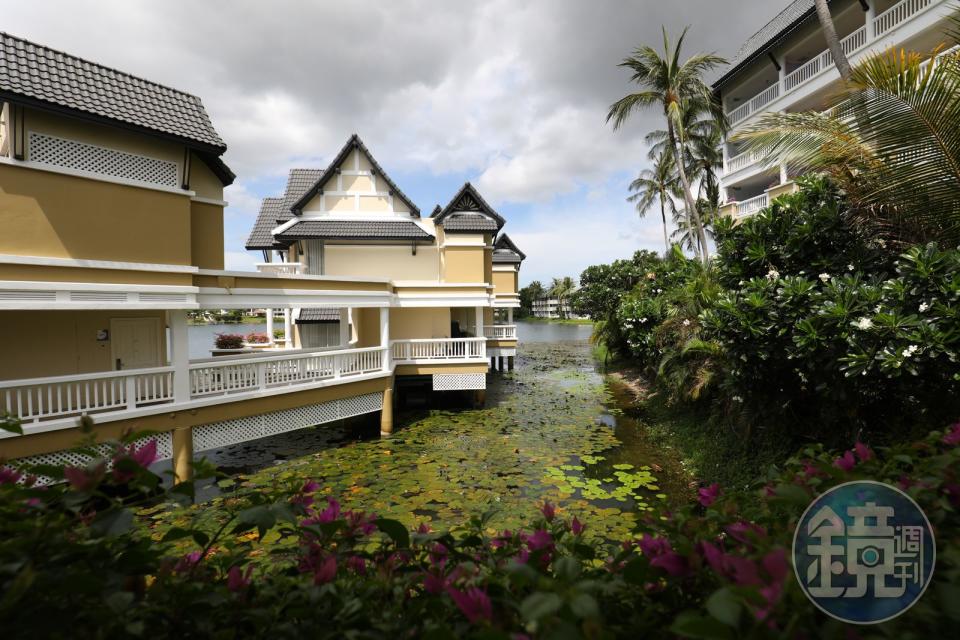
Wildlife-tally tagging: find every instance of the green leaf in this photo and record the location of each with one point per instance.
(176, 533)
(584, 605)
(567, 568)
(725, 607)
(690, 624)
(396, 530)
(540, 605)
(114, 522)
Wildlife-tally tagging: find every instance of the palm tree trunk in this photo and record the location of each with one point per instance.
(687, 193)
(663, 216)
(833, 43)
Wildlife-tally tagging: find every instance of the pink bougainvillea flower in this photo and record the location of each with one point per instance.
(84, 479)
(952, 489)
(331, 513)
(143, 456)
(709, 495)
(438, 555)
(714, 556)
(653, 547)
(237, 579)
(473, 603)
(359, 522)
(846, 462)
(326, 570)
(745, 532)
(423, 528)
(9, 475)
(522, 556)
(358, 565)
(863, 451)
(188, 562)
(810, 470)
(768, 491)
(548, 511)
(576, 526)
(742, 571)
(541, 539)
(501, 540)
(434, 583)
(952, 437)
(671, 562)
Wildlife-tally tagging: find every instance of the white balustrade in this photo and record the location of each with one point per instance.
(281, 268)
(883, 23)
(439, 349)
(751, 206)
(738, 162)
(40, 399)
(500, 331)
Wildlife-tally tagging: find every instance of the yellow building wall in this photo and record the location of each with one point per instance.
(206, 235)
(382, 261)
(488, 264)
(203, 182)
(40, 344)
(367, 327)
(414, 323)
(50, 214)
(505, 281)
(464, 264)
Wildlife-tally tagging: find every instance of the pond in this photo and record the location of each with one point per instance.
(554, 429)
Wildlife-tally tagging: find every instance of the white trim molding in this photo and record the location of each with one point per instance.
(213, 201)
(45, 261)
(31, 295)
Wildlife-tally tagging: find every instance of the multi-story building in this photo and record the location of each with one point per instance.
(552, 308)
(111, 206)
(786, 66)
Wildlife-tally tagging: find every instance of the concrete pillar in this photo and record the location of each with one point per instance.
(783, 173)
(869, 15)
(386, 413)
(179, 355)
(479, 322)
(385, 338)
(287, 329)
(344, 327)
(270, 325)
(509, 315)
(510, 363)
(182, 454)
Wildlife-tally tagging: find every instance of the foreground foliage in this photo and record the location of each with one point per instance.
(70, 564)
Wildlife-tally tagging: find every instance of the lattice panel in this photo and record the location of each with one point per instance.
(228, 432)
(459, 381)
(80, 156)
(75, 459)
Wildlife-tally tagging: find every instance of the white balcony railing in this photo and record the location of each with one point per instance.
(893, 17)
(500, 331)
(38, 399)
(748, 207)
(439, 350)
(742, 161)
(281, 268)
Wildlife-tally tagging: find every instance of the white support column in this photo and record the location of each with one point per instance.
(509, 315)
(287, 329)
(782, 61)
(385, 338)
(783, 173)
(180, 355)
(344, 327)
(870, 14)
(270, 325)
(479, 321)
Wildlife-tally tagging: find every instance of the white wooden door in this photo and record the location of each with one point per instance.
(135, 342)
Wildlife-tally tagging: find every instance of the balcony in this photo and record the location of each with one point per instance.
(853, 45)
(281, 268)
(500, 331)
(751, 206)
(118, 393)
(440, 350)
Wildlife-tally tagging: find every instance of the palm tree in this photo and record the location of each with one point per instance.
(893, 144)
(658, 184)
(684, 235)
(674, 87)
(561, 289)
(833, 43)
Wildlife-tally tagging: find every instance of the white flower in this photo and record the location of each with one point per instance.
(773, 274)
(824, 277)
(849, 267)
(686, 323)
(642, 320)
(737, 399)
(864, 323)
(923, 307)
(909, 351)
(740, 283)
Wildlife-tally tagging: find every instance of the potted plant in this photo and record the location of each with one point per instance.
(257, 340)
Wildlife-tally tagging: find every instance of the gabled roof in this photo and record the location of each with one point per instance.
(504, 250)
(298, 183)
(770, 35)
(261, 237)
(354, 230)
(317, 315)
(468, 212)
(36, 75)
(353, 143)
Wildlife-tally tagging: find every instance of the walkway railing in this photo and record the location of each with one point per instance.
(38, 399)
(890, 19)
(439, 350)
(280, 268)
(500, 331)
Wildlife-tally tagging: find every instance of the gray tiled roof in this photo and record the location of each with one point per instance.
(504, 250)
(318, 314)
(470, 222)
(260, 237)
(355, 230)
(298, 183)
(769, 35)
(36, 73)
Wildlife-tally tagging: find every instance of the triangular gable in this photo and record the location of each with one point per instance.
(468, 200)
(353, 143)
(504, 243)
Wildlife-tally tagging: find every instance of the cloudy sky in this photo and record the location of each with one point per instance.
(508, 94)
